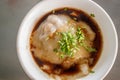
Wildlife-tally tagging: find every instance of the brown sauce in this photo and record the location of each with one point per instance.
(81, 16)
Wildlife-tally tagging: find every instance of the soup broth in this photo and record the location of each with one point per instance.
(76, 16)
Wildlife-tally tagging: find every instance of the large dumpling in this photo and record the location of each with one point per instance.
(46, 40)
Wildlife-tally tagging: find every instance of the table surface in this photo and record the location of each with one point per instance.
(11, 14)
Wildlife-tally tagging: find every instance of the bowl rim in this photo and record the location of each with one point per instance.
(116, 36)
(113, 26)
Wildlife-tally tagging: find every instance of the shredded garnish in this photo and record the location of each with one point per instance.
(88, 48)
(92, 71)
(69, 43)
(80, 35)
(81, 39)
(92, 15)
(65, 9)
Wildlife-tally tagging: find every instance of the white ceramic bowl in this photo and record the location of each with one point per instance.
(107, 27)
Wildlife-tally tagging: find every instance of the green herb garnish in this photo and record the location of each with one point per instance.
(81, 39)
(92, 71)
(69, 43)
(90, 49)
(92, 15)
(65, 9)
(80, 35)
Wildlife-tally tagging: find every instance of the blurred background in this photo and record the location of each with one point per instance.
(11, 14)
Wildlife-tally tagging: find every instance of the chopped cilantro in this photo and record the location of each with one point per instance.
(80, 35)
(92, 15)
(69, 43)
(92, 71)
(65, 9)
(81, 39)
(90, 49)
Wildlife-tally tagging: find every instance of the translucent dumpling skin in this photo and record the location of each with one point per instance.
(46, 40)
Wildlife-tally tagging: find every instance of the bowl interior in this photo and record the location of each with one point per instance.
(110, 43)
